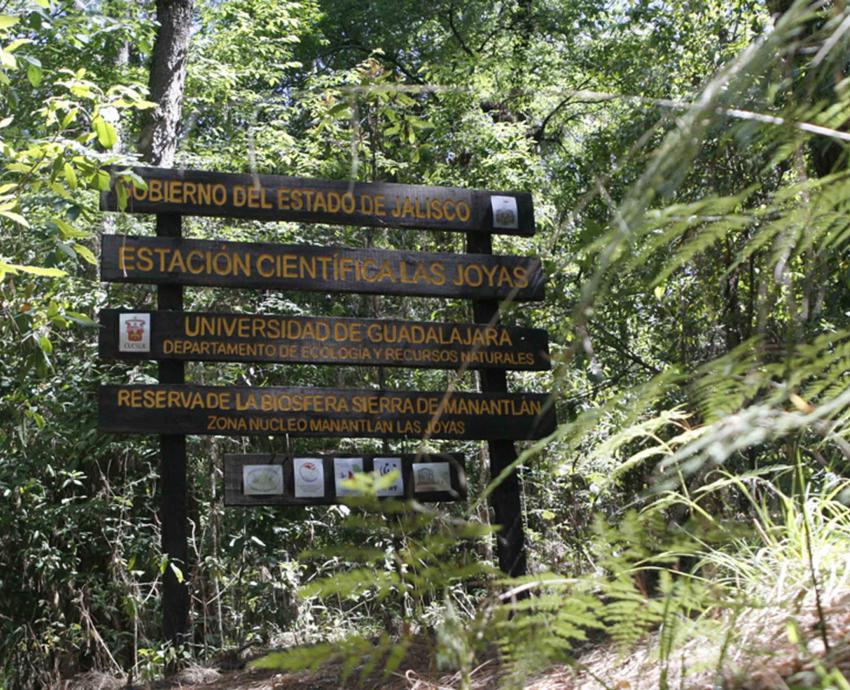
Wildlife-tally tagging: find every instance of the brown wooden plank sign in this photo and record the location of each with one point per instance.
(275, 197)
(199, 336)
(266, 266)
(241, 411)
(322, 479)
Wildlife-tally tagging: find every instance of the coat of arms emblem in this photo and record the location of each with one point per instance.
(134, 333)
(135, 330)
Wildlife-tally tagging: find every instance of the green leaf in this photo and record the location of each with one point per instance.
(86, 253)
(70, 117)
(7, 21)
(66, 249)
(106, 134)
(17, 217)
(7, 60)
(17, 43)
(34, 74)
(123, 197)
(59, 190)
(81, 319)
(43, 3)
(68, 231)
(70, 175)
(45, 344)
(101, 181)
(177, 572)
(338, 108)
(792, 630)
(839, 680)
(38, 270)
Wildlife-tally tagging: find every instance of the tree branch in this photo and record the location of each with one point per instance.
(621, 347)
(466, 49)
(541, 130)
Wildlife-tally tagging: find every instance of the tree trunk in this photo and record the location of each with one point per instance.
(158, 140)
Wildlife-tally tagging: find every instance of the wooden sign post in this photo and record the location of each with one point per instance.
(173, 516)
(172, 409)
(505, 499)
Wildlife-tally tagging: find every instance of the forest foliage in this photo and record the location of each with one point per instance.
(689, 173)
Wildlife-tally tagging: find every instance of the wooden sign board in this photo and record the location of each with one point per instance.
(319, 479)
(341, 202)
(268, 266)
(242, 411)
(200, 336)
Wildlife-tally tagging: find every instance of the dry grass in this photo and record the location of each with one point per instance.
(94, 680)
(759, 655)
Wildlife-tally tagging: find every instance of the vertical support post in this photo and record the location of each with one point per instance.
(505, 499)
(172, 475)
